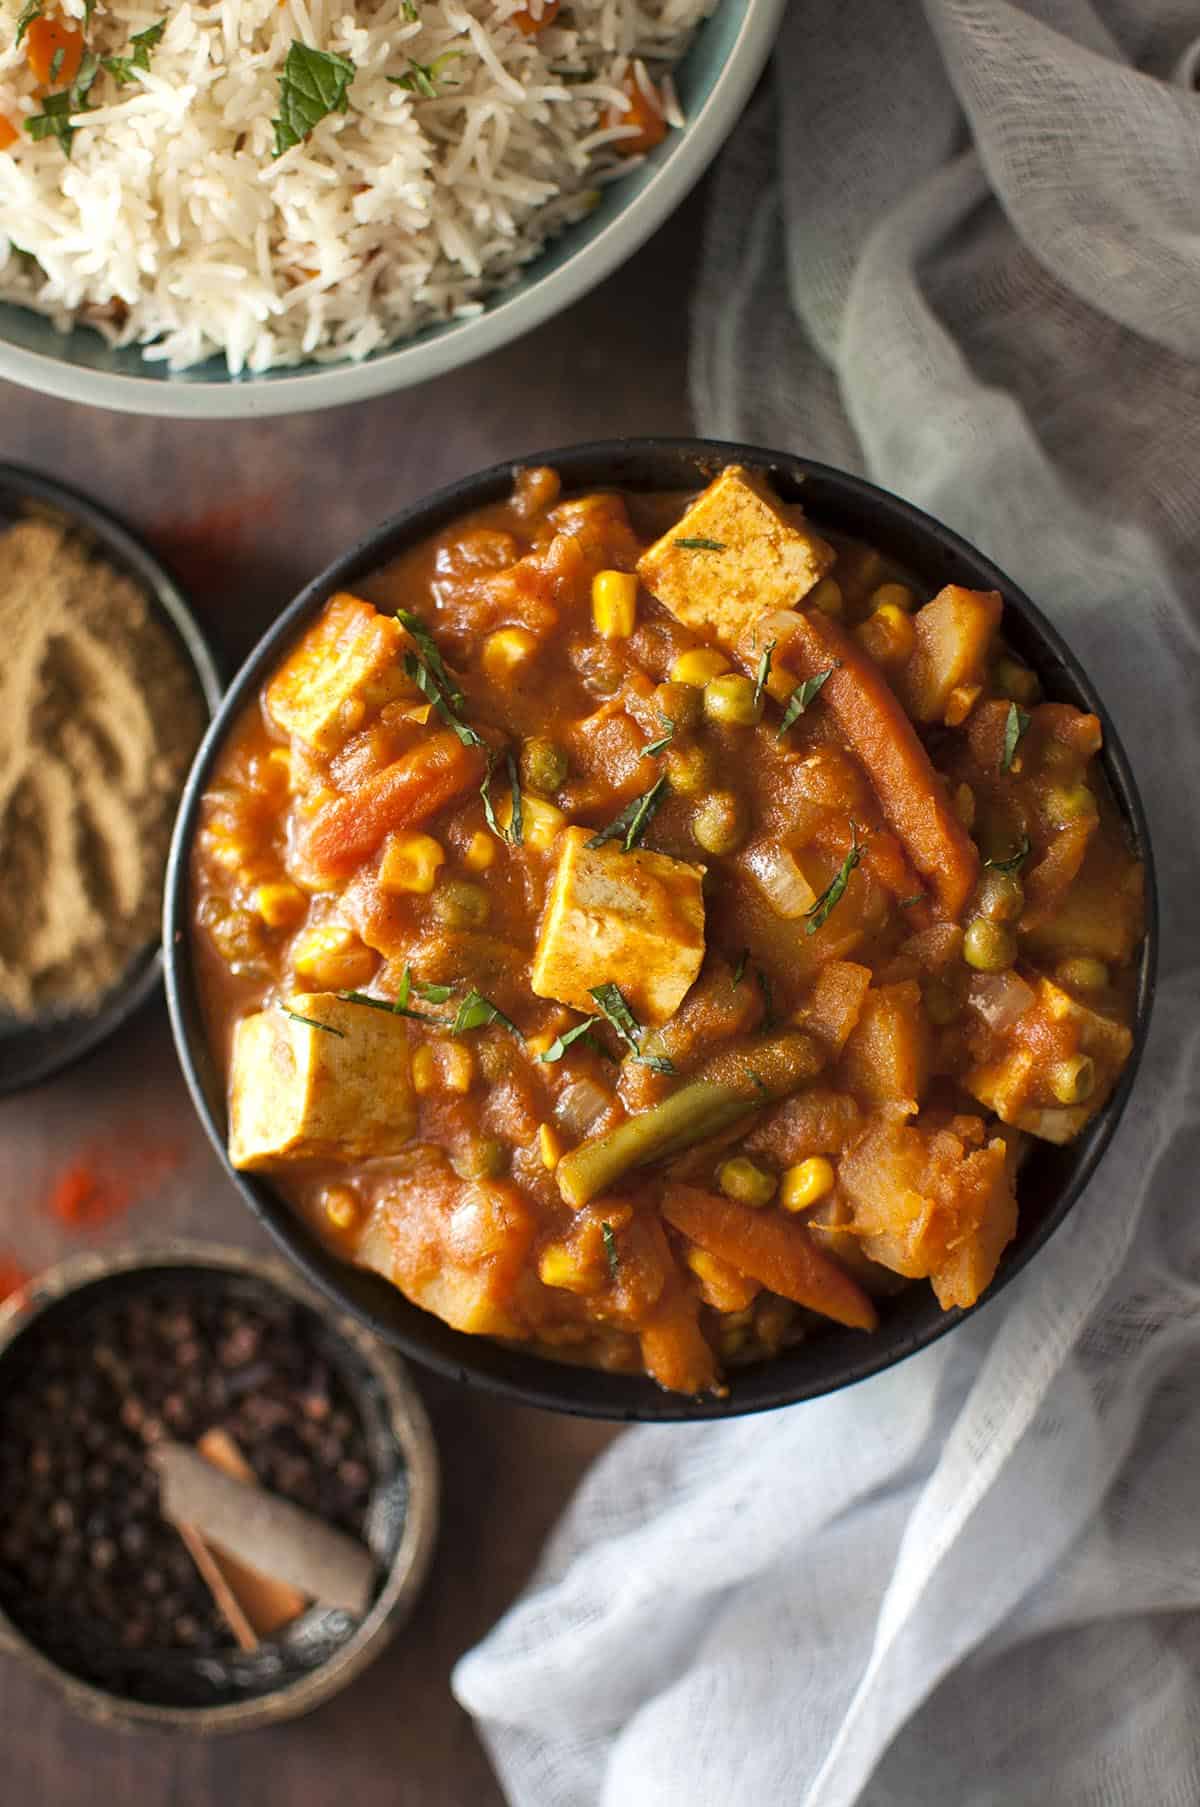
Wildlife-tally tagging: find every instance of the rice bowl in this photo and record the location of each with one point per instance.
(467, 140)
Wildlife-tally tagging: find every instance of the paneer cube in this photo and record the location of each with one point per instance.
(341, 1091)
(348, 659)
(635, 919)
(758, 556)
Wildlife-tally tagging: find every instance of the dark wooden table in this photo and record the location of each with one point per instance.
(248, 512)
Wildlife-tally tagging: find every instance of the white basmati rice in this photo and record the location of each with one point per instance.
(173, 226)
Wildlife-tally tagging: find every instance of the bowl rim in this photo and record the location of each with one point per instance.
(420, 359)
(408, 1422)
(110, 534)
(558, 1386)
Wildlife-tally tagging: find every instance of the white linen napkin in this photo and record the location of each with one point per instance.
(961, 253)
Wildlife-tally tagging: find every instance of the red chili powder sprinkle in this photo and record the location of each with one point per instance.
(12, 1277)
(103, 1182)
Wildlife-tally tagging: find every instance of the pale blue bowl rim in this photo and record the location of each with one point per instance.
(715, 81)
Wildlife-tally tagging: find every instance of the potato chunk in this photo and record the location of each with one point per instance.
(932, 1199)
(335, 671)
(300, 1093)
(1018, 1082)
(886, 1059)
(954, 634)
(636, 919)
(766, 558)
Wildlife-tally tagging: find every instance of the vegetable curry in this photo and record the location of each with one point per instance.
(646, 927)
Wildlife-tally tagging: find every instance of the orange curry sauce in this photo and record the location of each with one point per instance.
(863, 924)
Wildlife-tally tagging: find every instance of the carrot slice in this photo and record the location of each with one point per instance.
(346, 831)
(911, 795)
(525, 21)
(8, 133)
(775, 1250)
(639, 110)
(43, 41)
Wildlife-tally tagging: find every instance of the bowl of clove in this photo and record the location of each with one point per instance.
(225, 1493)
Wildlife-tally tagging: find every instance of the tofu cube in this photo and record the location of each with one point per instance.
(633, 919)
(339, 1092)
(348, 659)
(761, 557)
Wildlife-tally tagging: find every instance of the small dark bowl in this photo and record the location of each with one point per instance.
(324, 1650)
(31, 1051)
(1052, 1179)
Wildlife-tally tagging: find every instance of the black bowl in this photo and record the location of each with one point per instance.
(1052, 1179)
(32, 1051)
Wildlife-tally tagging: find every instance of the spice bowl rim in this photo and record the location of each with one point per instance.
(407, 1423)
(68, 1037)
(836, 1358)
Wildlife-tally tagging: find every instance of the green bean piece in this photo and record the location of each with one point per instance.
(733, 1086)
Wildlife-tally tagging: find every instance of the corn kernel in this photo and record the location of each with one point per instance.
(537, 1045)
(698, 666)
(964, 805)
(540, 821)
(410, 863)
(897, 596)
(560, 1266)
(333, 958)
(614, 603)
(506, 649)
(805, 1183)
(889, 635)
(457, 1066)
(960, 702)
(481, 852)
(281, 905)
(721, 1286)
(341, 1207)
(424, 1070)
(550, 1146)
(826, 596)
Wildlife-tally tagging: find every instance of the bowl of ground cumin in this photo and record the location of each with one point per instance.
(106, 686)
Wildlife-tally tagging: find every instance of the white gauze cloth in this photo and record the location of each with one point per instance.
(959, 251)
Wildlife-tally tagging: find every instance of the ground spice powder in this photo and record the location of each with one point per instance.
(99, 718)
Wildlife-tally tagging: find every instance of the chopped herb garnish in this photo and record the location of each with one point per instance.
(410, 12)
(916, 898)
(432, 994)
(833, 892)
(573, 76)
(561, 1043)
(514, 833)
(56, 63)
(122, 68)
(394, 1006)
(615, 1009)
(739, 971)
(422, 78)
(657, 746)
(768, 996)
(1016, 724)
(515, 830)
(54, 120)
(802, 696)
(763, 673)
(312, 1023)
(699, 545)
(756, 1079)
(31, 11)
(314, 84)
(477, 1012)
(610, 1250)
(427, 670)
(634, 819)
(1016, 862)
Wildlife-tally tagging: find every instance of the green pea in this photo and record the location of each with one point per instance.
(746, 1183)
(1067, 803)
(459, 905)
(544, 765)
(729, 700)
(679, 704)
(691, 768)
(1073, 1081)
(719, 823)
(1082, 973)
(942, 1005)
(1001, 896)
(989, 947)
(1012, 679)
